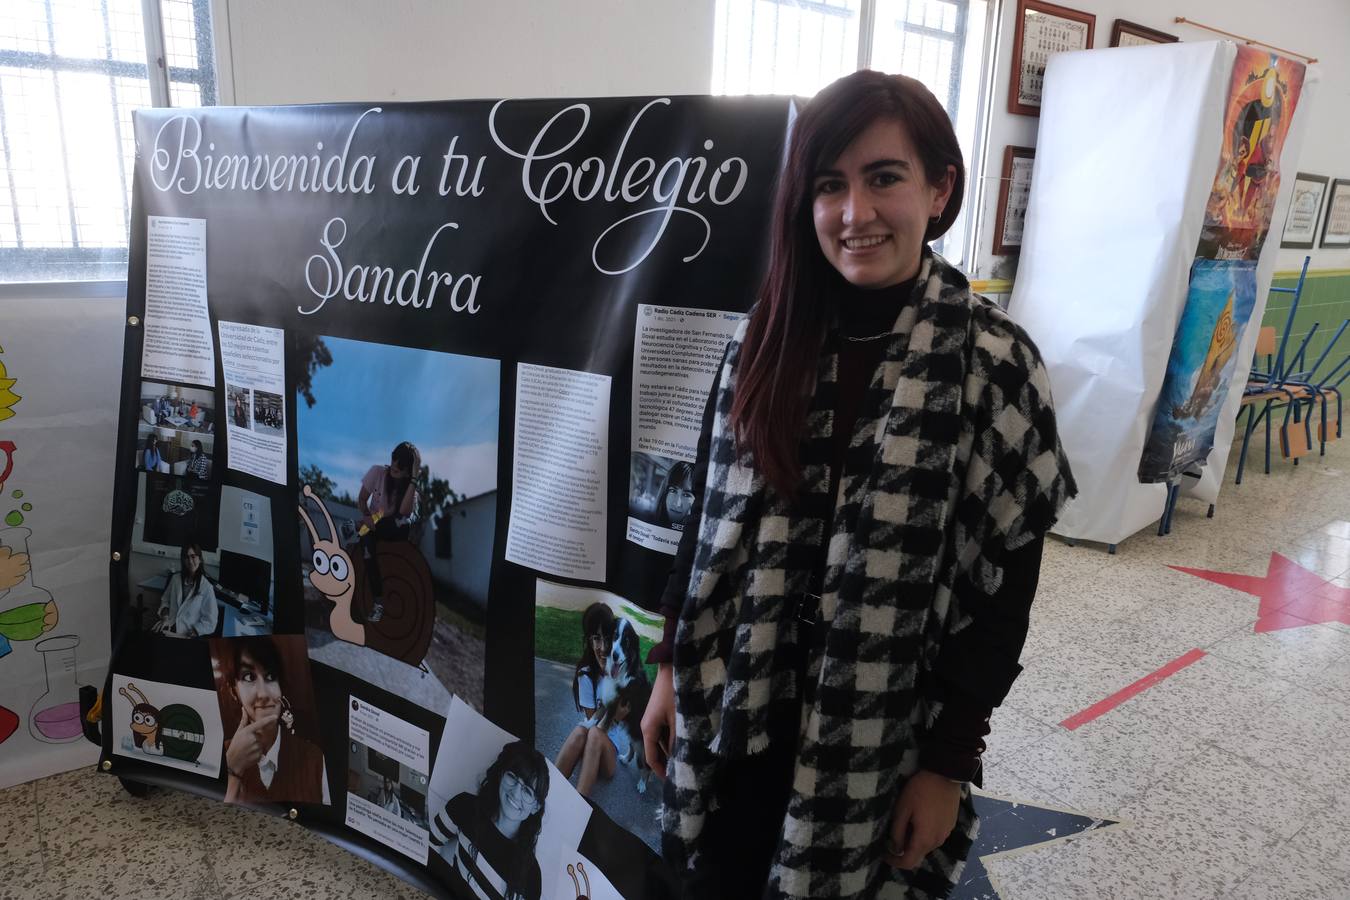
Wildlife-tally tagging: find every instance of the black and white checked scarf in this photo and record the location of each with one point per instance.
(954, 461)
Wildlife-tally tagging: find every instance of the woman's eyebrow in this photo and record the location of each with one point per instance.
(870, 167)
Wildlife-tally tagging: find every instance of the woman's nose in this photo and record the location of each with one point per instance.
(858, 207)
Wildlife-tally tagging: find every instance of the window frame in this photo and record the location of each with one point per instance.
(159, 75)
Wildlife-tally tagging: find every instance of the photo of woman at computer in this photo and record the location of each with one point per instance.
(188, 607)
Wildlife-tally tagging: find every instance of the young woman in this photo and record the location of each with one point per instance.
(188, 607)
(878, 468)
(151, 458)
(676, 497)
(198, 466)
(590, 743)
(489, 838)
(265, 760)
(387, 503)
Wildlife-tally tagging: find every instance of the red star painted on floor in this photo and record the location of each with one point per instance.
(1291, 596)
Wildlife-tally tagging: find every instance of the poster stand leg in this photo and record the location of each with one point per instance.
(1111, 549)
(1165, 524)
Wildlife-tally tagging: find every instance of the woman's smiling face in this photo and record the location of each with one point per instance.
(516, 798)
(871, 206)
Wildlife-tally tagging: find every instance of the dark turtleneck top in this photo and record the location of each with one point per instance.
(978, 664)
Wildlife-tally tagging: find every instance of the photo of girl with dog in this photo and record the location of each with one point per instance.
(591, 690)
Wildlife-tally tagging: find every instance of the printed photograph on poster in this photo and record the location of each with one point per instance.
(1305, 211)
(1204, 360)
(501, 815)
(177, 509)
(676, 357)
(190, 588)
(1336, 229)
(176, 430)
(591, 688)
(387, 767)
(397, 450)
(238, 402)
(166, 724)
(660, 498)
(177, 327)
(253, 359)
(1262, 95)
(559, 474)
(266, 700)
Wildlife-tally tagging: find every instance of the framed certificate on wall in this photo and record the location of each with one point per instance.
(1013, 192)
(1336, 228)
(1305, 211)
(1131, 34)
(1042, 30)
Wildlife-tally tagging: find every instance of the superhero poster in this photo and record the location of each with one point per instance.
(1262, 95)
(1202, 364)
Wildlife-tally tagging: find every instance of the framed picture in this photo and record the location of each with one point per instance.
(1336, 228)
(1041, 30)
(1013, 191)
(1305, 211)
(1129, 34)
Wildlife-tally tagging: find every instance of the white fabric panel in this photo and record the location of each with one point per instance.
(1125, 160)
(66, 357)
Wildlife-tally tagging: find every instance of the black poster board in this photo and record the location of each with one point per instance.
(494, 282)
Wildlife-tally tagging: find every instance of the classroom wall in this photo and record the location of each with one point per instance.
(308, 51)
(1319, 28)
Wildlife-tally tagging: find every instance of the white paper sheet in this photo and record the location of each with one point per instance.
(253, 360)
(178, 345)
(676, 353)
(390, 803)
(177, 726)
(559, 475)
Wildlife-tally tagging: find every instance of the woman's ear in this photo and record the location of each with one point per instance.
(943, 193)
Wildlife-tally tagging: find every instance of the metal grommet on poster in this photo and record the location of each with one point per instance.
(107, 765)
(117, 556)
(293, 814)
(133, 321)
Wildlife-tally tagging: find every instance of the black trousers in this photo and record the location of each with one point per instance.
(384, 530)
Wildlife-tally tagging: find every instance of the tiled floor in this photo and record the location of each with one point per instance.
(1227, 779)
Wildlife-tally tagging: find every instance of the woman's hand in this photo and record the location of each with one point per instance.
(925, 814)
(246, 747)
(658, 722)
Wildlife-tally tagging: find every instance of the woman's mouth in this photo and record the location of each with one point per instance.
(865, 243)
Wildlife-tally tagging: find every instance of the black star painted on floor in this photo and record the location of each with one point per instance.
(1008, 825)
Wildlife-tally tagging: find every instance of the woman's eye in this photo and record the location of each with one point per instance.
(886, 179)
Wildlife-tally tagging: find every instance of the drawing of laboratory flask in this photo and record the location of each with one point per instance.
(26, 610)
(55, 717)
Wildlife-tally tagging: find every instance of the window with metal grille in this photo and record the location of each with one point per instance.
(799, 46)
(71, 72)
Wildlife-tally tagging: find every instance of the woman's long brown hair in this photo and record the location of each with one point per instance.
(777, 364)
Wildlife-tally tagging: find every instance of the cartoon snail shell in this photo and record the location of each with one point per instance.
(404, 632)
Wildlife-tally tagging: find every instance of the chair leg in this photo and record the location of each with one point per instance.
(1246, 440)
(1266, 413)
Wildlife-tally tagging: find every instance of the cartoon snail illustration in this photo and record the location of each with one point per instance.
(176, 731)
(573, 870)
(404, 631)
